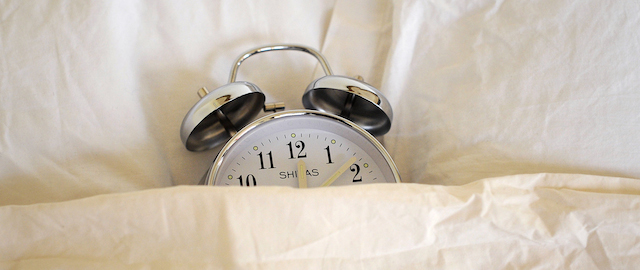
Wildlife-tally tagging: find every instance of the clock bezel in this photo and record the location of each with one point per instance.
(216, 165)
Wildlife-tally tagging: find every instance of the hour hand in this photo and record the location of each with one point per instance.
(339, 172)
(302, 174)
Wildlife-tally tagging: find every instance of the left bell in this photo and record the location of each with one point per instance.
(220, 114)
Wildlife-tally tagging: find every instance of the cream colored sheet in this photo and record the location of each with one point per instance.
(555, 221)
(487, 96)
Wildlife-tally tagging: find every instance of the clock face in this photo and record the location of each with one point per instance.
(302, 149)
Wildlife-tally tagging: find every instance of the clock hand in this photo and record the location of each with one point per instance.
(339, 172)
(302, 174)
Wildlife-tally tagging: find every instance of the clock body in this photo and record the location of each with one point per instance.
(276, 149)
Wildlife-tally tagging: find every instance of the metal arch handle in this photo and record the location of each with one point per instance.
(283, 47)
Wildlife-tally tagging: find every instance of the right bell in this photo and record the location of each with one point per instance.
(352, 99)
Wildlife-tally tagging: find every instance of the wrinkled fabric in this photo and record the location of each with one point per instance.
(493, 88)
(556, 221)
(93, 93)
(515, 129)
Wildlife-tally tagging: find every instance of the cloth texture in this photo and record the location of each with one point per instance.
(527, 221)
(515, 131)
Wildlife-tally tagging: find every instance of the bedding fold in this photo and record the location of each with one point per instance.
(524, 221)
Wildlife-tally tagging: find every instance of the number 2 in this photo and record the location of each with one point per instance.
(357, 170)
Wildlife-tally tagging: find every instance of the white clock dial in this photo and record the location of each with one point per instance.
(278, 149)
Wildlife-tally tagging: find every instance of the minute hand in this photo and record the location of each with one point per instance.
(339, 172)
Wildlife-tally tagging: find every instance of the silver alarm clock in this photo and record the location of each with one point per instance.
(330, 143)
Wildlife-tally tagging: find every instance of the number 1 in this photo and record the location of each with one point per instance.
(328, 155)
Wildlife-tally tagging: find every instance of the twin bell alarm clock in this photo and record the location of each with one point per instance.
(330, 143)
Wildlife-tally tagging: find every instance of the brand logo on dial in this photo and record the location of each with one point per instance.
(294, 174)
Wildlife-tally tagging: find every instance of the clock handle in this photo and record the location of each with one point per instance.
(283, 47)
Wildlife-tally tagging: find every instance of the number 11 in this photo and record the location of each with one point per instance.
(270, 161)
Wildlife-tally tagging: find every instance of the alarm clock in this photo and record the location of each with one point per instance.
(329, 143)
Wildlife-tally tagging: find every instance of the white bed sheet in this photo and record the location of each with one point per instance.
(92, 95)
(515, 222)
